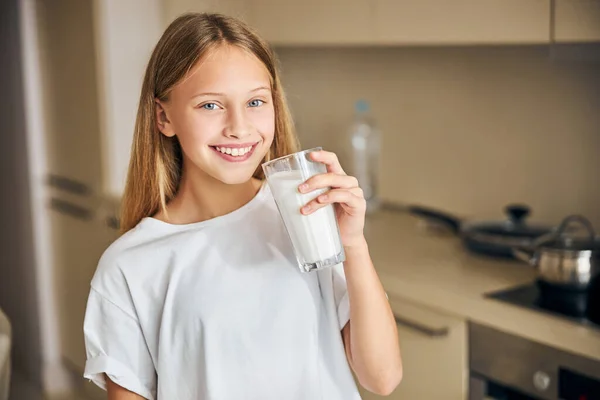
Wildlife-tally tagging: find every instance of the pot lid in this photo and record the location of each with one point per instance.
(565, 238)
(513, 227)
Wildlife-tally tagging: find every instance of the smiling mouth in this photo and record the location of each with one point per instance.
(235, 154)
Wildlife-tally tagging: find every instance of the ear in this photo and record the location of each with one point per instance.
(162, 119)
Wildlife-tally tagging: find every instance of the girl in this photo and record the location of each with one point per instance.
(200, 298)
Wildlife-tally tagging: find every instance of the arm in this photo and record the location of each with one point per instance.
(371, 338)
(116, 392)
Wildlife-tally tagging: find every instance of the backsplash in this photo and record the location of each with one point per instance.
(467, 130)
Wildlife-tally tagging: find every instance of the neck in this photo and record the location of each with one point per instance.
(201, 197)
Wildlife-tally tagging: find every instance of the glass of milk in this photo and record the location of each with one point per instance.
(315, 237)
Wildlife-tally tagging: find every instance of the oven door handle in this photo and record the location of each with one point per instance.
(425, 330)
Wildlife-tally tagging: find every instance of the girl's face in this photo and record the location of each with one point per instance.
(223, 115)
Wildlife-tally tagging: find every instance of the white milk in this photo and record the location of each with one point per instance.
(315, 237)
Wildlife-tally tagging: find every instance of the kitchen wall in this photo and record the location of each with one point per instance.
(468, 130)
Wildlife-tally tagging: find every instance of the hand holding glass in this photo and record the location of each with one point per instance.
(315, 237)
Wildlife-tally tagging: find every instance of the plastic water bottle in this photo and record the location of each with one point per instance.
(366, 145)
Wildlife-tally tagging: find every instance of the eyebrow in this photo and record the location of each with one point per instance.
(215, 94)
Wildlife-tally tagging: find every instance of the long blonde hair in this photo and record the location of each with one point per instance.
(156, 160)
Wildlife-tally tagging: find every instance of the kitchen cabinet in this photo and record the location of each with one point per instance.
(174, 8)
(408, 22)
(92, 56)
(577, 21)
(78, 240)
(434, 354)
(313, 22)
(385, 22)
(72, 140)
(461, 22)
(292, 22)
(72, 135)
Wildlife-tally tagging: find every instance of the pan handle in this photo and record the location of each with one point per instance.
(529, 256)
(451, 221)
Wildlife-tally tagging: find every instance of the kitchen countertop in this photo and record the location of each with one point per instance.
(434, 270)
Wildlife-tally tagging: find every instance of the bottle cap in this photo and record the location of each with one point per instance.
(361, 106)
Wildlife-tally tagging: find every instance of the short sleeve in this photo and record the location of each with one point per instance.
(340, 294)
(115, 346)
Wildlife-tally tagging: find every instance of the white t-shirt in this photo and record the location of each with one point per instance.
(217, 310)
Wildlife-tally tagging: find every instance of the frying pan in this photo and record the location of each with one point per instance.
(491, 238)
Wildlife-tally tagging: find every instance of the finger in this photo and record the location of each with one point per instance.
(357, 192)
(352, 203)
(330, 160)
(329, 180)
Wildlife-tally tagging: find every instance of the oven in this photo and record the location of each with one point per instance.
(507, 367)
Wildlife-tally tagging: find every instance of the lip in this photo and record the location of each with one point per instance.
(236, 159)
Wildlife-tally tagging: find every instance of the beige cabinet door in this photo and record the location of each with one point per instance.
(434, 355)
(313, 22)
(70, 101)
(78, 241)
(577, 21)
(461, 22)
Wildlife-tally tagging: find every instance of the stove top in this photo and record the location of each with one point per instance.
(529, 296)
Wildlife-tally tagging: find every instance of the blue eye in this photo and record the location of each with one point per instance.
(256, 103)
(210, 106)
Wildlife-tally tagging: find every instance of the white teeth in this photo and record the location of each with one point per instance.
(235, 152)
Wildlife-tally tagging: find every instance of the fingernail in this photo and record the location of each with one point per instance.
(306, 209)
(323, 198)
(303, 187)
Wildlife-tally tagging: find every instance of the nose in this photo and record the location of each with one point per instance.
(238, 126)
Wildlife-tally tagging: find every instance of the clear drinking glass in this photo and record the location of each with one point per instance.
(315, 237)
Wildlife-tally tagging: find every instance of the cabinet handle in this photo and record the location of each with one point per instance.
(432, 332)
(69, 185)
(71, 209)
(113, 222)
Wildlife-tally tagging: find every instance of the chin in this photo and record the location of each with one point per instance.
(235, 178)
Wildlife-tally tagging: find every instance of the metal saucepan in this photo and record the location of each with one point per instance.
(492, 238)
(564, 260)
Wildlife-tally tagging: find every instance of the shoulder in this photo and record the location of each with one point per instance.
(135, 254)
